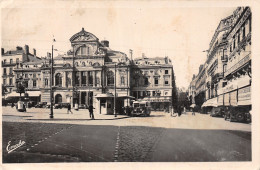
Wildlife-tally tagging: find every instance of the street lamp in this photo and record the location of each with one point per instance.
(115, 94)
(51, 84)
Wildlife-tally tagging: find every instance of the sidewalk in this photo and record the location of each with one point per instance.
(42, 114)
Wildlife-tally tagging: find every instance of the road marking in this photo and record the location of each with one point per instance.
(117, 145)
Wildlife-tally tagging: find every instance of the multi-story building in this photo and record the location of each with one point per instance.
(91, 73)
(237, 72)
(192, 91)
(153, 80)
(11, 60)
(228, 70)
(216, 59)
(200, 85)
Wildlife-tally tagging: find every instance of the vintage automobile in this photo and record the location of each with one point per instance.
(21, 106)
(57, 106)
(40, 105)
(240, 114)
(217, 112)
(141, 108)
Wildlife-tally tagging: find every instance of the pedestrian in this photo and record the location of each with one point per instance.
(179, 111)
(24, 108)
(193, 113)
(69, 109)
(90, 108)
(12, 104)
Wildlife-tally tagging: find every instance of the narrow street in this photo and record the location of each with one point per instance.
(159, 137)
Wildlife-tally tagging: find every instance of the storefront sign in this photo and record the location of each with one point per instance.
(226, 99)
(233, 98)
(220, 100)
(244, 94)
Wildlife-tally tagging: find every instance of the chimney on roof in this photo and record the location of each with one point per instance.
(3, 51)
(34, 52)
(19, 48)
(26, 48)
(131, 53)
(105, 43)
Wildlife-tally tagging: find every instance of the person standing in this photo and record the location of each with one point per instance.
(193, 113)
(69, 109)
(90, 108)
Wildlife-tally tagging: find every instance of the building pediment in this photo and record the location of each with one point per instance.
(83, 36)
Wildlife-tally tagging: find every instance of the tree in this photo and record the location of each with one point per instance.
(4, 90)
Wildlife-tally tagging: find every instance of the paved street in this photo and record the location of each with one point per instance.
(160, 137)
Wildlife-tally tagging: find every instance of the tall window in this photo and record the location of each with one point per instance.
(234, 42)
(156, 81)
(146, 81)
(110, 78)
(10, 70)
(11, 81)
(4, 81)
(122, 80)
(58, 80)
(90, 78)
(166, 81)
(17, 60)
(46, 82)
(34, 83)
(166, 71)
(4, 70)
(11, 61)
(244, 31)
(34, 75)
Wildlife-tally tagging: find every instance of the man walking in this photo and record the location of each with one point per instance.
(193, 113)
(90, 108)
(69, 109)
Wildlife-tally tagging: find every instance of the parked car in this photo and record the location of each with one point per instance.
(217, 112)
(64, 105)
(141, 108)
(58, 106)
(40, 104)
(240, 114)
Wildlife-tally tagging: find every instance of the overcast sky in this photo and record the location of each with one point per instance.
(180, 33)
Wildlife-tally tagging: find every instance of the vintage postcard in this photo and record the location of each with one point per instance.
(119, 84)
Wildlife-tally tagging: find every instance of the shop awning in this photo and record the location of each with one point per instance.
(104, 95)
(13, 94)
(244, 102)
(211, 102)
(33, 93)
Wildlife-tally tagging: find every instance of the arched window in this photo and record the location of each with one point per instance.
(46, 82)
(76, 64)
(81, 51)
(58, 80)
(58, 99)
(83, 64)
(110, 78)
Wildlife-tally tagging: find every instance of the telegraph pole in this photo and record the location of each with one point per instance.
(51, 84)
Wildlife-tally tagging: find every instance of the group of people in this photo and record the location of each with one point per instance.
(180, 109)
(90, 108)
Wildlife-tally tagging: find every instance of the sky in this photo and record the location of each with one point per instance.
(181, 33)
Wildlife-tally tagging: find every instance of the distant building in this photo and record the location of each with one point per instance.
(12, 60)
(153, 80)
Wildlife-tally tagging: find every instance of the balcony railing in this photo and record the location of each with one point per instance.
(243, 61)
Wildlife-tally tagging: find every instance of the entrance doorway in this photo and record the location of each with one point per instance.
(58, 99)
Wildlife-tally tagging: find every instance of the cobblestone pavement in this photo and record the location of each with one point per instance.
(136, 143)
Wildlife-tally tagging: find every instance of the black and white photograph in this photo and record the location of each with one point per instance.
(116, 82)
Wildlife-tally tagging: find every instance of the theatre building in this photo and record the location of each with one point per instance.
(99, 72)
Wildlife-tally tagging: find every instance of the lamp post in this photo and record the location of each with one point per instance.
(115, 94)
(51, 84)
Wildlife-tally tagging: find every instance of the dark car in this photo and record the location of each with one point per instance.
(217, 112)
(40, 105)
(64, 105)
(240, 114)
(58, 106)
